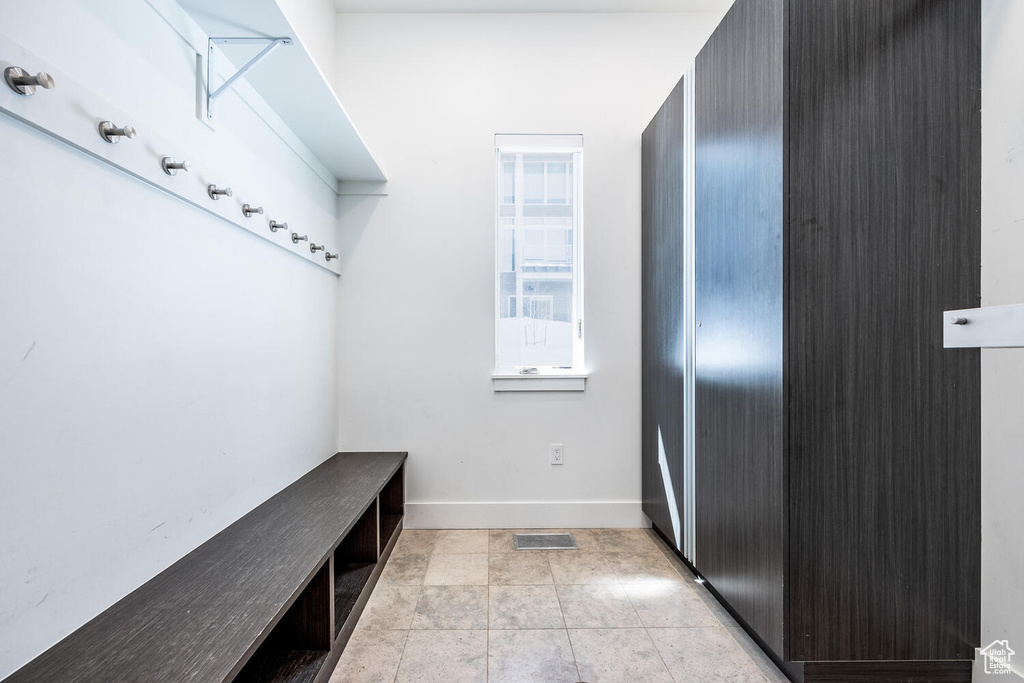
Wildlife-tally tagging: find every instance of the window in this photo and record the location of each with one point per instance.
(539, 224)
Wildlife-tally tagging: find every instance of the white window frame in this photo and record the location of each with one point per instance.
(574, 377)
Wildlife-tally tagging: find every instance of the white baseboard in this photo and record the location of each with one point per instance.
(607, 515)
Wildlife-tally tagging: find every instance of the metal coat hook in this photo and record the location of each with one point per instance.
(113, 134)
(171, 167)
(330, 256)
(77, 114)
(218, 192)
(23, 84)
(296, 238)
(314, 247)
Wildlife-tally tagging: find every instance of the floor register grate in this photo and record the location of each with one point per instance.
(544, 542)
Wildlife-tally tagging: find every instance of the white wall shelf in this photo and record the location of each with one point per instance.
(291, 83)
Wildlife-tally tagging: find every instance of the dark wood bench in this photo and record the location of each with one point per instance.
(274, 597)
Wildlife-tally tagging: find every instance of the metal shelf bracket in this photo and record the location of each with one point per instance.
(211, 94)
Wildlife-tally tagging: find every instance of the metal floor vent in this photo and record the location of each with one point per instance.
(544, 542)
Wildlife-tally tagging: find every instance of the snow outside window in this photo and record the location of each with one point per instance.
(539, 278)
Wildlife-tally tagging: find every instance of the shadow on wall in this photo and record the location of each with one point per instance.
(354, 214)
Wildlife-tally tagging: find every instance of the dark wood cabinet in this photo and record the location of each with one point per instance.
(739, 394)
(837, 443)
(883, 234)
(663, 311)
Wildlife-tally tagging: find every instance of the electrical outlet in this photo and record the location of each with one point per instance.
(557, 451)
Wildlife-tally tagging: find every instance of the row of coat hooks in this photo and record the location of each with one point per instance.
(171, 167)
(24, 84)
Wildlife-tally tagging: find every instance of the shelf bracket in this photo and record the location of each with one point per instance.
(211, 94)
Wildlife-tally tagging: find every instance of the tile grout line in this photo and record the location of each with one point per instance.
(648, 634)
(487, 648)
(487, 635)
(405, 641)
(672, 560)
(617, 579)
(760, 670)
(405, 644)
(660, 655)
(572, 650)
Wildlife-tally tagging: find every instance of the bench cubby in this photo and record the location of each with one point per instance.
(355, 560)
(273, 598)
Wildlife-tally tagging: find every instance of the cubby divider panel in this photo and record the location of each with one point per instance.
(392, 505)
(354, 562)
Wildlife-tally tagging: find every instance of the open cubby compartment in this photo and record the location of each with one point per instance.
(392, 505)
(300, 643)
(354, 561)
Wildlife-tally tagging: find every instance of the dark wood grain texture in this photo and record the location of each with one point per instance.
(838, 443)
(308, 623)
(361, 542)
(349, 580)
(883, 234)
(392, 506)
(888, 672)
(662, 309)
(283, 666)
(354, 561)
(740, 482)
(301, 641)
(203, 617)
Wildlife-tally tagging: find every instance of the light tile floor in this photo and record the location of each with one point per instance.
(459, 606)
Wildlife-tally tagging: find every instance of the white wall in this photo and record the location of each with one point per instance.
(161, 372)
(314, 22)
(416, 336)
(1002, 370)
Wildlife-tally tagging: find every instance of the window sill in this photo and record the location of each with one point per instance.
(539, 382)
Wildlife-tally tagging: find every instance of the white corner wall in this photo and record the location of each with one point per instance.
(1002, 370)
(161, 372)
(416, 330)
(314, 21)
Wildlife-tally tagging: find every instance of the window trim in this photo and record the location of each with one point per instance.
(543, 378)
(539, 382)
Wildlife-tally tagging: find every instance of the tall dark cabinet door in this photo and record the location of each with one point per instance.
(740, 484)
(662, 303)
(883, 234)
